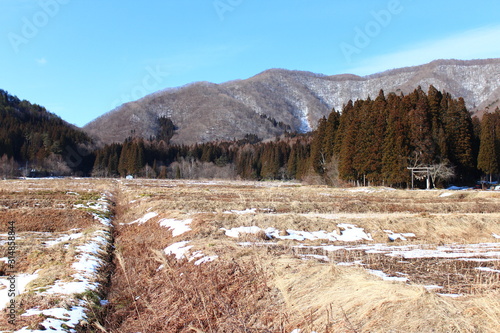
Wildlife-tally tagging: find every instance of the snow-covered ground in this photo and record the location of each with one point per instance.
(350, 233)
(65, 238)
(20, 281)
(87, 264)
(100, 209)
(402, 236)
(181, 250)
(178, 227)
(148, 216)
(57, 319)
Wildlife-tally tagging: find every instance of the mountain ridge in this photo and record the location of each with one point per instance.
(204, 111)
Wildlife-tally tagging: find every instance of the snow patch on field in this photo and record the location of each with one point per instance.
(242, 212)
(433, 287)
(350, 233)
(235, 232)
(205, 260)
(87, 265)
(354, 263)
(64, 239)
(314, 256)
(451, 295)
(395, 236)
(178, 227)
(58, 319)
(450, 251)
(386, 277)
(483, 251)
(21, 281)
(89, 261)
(487, 269)
(181, 251)
(100, 209)
(144, 219)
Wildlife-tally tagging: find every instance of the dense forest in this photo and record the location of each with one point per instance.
(370, 142)
(375, 141)
(250, 158)
(34, 141)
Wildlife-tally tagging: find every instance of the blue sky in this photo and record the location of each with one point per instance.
(82, 58)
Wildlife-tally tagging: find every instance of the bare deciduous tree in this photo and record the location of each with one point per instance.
(331, 172)
(8, 167)
(441, 171)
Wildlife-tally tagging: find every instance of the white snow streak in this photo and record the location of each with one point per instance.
(178, 227)
(58, 320)
(21, 281)
(179, 249)
(144, 219)
(350, 233)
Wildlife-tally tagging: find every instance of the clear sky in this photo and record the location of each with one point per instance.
(82, 58)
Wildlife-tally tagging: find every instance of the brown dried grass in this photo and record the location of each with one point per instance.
(353, 299)
(264, 289)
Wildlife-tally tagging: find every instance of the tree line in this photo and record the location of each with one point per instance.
(375, 141)
(286, 157)
(371, 142)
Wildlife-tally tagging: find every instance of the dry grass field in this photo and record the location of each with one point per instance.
(63, 241)
(217, 256)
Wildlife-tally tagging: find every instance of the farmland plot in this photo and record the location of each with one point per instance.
(58, 266)
(217, 256)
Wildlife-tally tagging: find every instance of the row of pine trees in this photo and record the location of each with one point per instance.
(375, 141)
(369, 142)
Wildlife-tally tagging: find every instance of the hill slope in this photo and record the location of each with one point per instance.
(204, 111)
(34, 137)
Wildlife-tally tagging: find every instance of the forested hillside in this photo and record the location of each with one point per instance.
(370, 142)
(35, 141)
(375, 141)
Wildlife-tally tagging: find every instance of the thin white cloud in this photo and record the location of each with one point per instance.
(478, 43)
(41, 61)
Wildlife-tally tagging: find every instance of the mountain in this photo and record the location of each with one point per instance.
(277, 99)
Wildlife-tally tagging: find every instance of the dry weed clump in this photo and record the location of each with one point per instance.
(154, 293)
(182, 297)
